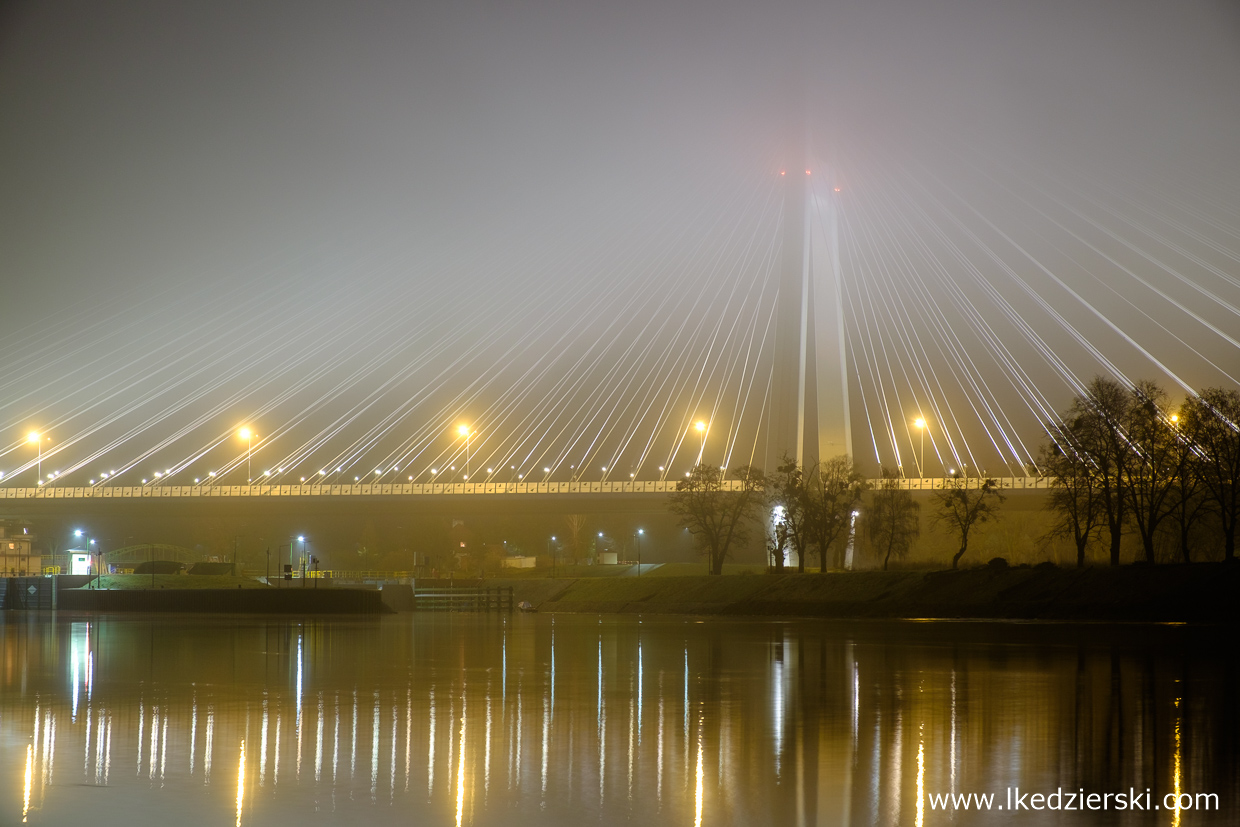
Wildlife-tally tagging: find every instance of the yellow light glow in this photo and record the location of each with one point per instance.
(463, 430)
(921, 784)
(1175, 417)
(244, 433)
(460, 771)
(240, 783)
(32, 437)
(697, 792)
(919, 422)
(28, 782)
(700, 425)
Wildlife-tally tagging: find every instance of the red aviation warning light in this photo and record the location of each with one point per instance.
(807, 172)
(837, 189)
(781, 172)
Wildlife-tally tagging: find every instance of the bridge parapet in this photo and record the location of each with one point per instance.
(424, 489)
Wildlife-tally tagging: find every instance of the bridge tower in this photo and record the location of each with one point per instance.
(809, 410)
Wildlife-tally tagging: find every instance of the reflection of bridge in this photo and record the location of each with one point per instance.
(413, 490)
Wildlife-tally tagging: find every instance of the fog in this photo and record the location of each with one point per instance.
(353, 227)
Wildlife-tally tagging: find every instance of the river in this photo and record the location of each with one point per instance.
(571, 719)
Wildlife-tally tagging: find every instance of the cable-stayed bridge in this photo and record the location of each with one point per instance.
(812, 309)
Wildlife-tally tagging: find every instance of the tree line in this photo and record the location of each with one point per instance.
(1120, 460)
(813, 510)
(1124, 460)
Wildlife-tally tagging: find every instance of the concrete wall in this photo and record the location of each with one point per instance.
(257, 601)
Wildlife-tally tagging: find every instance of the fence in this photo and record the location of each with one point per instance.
(494, 599)
(27, 593)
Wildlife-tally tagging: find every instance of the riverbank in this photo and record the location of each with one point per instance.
(213, 599)
(1205, 592)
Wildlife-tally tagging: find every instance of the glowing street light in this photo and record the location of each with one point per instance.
(920, 424)
(77, 532)
(465, 431)
(700, 427)
(247, 435)
(640, 532)
(37, 439)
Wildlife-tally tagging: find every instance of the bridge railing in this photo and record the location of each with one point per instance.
(392, 490)
(49, 492)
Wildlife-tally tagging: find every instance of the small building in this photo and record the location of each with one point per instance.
(79, 561)
(520, 562)
(17, 556)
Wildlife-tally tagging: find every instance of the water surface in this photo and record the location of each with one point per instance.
(567, 720)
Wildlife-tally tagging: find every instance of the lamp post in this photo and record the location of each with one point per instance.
(302, 540)
(551, 551)
(247, 435)
(920, 425)
(37, 439)
(77, 532)
(464, 431)
(700, 426)
(640, 532)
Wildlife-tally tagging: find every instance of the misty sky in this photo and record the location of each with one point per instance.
(237, 194)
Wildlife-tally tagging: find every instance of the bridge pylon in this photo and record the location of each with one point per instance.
(809, 407)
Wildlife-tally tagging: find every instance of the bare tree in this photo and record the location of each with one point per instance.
(775, 546)
(1213, 419)
(1075, 498)
(962, 504)
(833, 489)
(575, 542)
(1189, 499)
(786, 492)
(1153, 464)
(892, 519)
(717, 513)
(1101, 415)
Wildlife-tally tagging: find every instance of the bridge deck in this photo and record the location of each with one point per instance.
(517, 489)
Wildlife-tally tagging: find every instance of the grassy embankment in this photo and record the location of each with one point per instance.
(1199, 592)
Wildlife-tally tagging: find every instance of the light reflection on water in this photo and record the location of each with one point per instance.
(543, 720)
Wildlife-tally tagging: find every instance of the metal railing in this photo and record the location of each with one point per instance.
(474, 599)
(48, 492)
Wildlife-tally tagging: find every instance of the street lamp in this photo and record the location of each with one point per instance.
(700, 427)
(464, 431)
(37, 439)
(640, 532)
(302, 540)
(247, 435)
(920, 424)
(77, 532)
